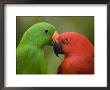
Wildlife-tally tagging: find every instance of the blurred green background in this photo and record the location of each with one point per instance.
(81, 24)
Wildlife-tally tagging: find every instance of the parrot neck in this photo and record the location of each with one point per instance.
(84, 53)
(32, 42)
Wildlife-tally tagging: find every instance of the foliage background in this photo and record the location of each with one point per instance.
(81, 24)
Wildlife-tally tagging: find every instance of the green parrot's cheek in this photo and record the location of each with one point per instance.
(50, 43)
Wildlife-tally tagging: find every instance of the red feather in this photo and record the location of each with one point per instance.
(79, 54)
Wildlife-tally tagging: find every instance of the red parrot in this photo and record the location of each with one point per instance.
(78, 51)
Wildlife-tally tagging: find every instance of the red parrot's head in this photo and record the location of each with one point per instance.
(71, 43)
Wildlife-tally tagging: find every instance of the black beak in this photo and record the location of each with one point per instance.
(57, 48)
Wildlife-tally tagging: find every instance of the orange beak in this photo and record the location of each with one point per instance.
(55, 36)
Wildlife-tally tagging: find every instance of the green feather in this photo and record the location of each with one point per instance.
(30, 51)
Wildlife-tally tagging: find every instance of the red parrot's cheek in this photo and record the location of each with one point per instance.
(64, 48)
(67, 49)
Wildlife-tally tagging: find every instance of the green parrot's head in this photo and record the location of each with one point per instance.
(40, 34)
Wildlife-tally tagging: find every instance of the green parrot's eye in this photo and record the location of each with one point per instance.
(66, 40)
(46, 31)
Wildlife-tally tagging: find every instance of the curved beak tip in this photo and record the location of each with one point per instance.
(56, 44)
(57, 48)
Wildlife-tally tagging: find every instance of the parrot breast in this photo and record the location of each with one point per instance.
(77, 65)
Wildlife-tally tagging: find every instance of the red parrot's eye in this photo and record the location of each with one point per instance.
(66, 40)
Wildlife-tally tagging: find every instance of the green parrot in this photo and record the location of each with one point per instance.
(30, 51)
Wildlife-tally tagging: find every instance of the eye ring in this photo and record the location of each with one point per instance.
(67, 40)
(46, 31)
